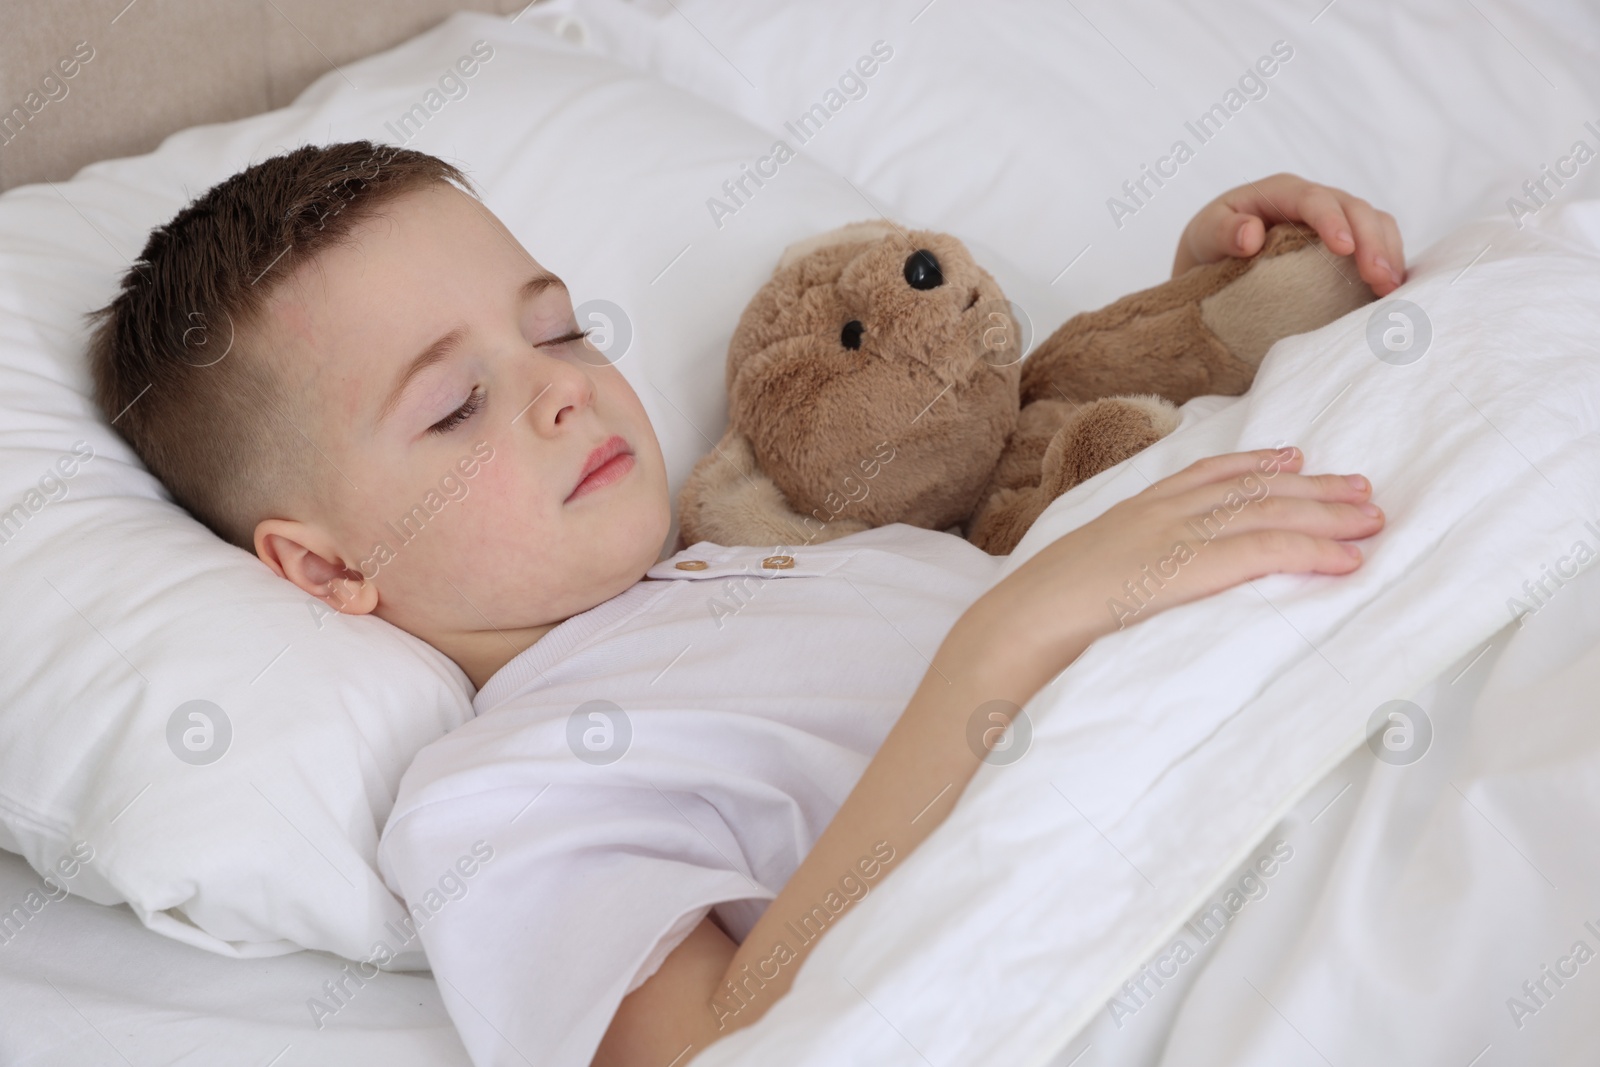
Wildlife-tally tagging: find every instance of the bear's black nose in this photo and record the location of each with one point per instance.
(922, 270)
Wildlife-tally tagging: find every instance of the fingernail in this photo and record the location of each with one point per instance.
(1383, 264)
(1238, 235)
(1369, 508)
(1356, 481)
(1343, 236)
(1355, 553)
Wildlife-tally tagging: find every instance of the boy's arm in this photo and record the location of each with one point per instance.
(907, 790)
(1006, 646)
(1234, 224)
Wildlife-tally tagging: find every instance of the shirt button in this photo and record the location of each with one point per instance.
(691, 565)
(778, 563)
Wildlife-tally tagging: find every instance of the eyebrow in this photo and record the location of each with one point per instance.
(538, 284)
(445, 346)
(434, 353)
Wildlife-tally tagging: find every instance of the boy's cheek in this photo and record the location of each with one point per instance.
(454, 488)
(499, 505)
(496, 482)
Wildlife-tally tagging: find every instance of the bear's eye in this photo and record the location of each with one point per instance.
(850, 336)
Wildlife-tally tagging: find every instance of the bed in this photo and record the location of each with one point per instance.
(1407, 889)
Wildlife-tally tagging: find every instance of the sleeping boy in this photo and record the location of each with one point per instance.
(680, 803)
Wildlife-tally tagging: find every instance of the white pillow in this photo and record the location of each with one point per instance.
(1012, 123)
(122, 610)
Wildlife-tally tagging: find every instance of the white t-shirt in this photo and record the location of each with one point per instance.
(675, 749)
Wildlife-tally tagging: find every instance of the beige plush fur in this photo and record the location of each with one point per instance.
(933, 418)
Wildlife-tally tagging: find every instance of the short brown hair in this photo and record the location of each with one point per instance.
(173, 369)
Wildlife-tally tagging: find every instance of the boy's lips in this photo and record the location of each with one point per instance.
(610, 461)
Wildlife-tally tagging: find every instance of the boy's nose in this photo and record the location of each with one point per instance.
(565, 390)
(922, 270)
(577, 396)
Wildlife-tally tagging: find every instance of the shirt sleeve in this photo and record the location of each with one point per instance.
(574, 899)
(664, 946)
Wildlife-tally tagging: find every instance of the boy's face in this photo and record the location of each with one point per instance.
(454, 408)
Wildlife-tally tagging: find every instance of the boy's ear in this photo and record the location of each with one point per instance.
(308, 559)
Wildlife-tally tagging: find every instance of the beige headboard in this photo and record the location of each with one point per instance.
(158, 66)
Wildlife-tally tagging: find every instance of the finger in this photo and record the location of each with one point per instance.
(1235, 233)
(1258, 486)
(1229, 561)
(1321, 209)
(1272, 199)
(1372, 259)
(1235, 224)
(1211, 235)
(1262, 552)
(1237, 516)
(1213, 469)
(1394, 245)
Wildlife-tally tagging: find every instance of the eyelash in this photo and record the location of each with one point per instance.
(475, 400)
(460, 414)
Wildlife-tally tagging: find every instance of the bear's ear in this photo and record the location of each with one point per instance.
(873, 230)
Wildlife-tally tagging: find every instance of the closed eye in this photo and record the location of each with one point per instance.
(475, 400)
(566, 338)
(461, 414)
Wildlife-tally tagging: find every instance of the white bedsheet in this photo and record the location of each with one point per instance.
(1165, 754)
(85, 985)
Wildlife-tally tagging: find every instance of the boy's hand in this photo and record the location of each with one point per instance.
(1235, 224)
(1215, 524)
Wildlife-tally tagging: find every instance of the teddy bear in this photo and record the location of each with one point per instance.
(878, 377)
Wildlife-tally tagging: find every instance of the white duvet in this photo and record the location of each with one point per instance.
(1162, 757)
(1435, 910)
